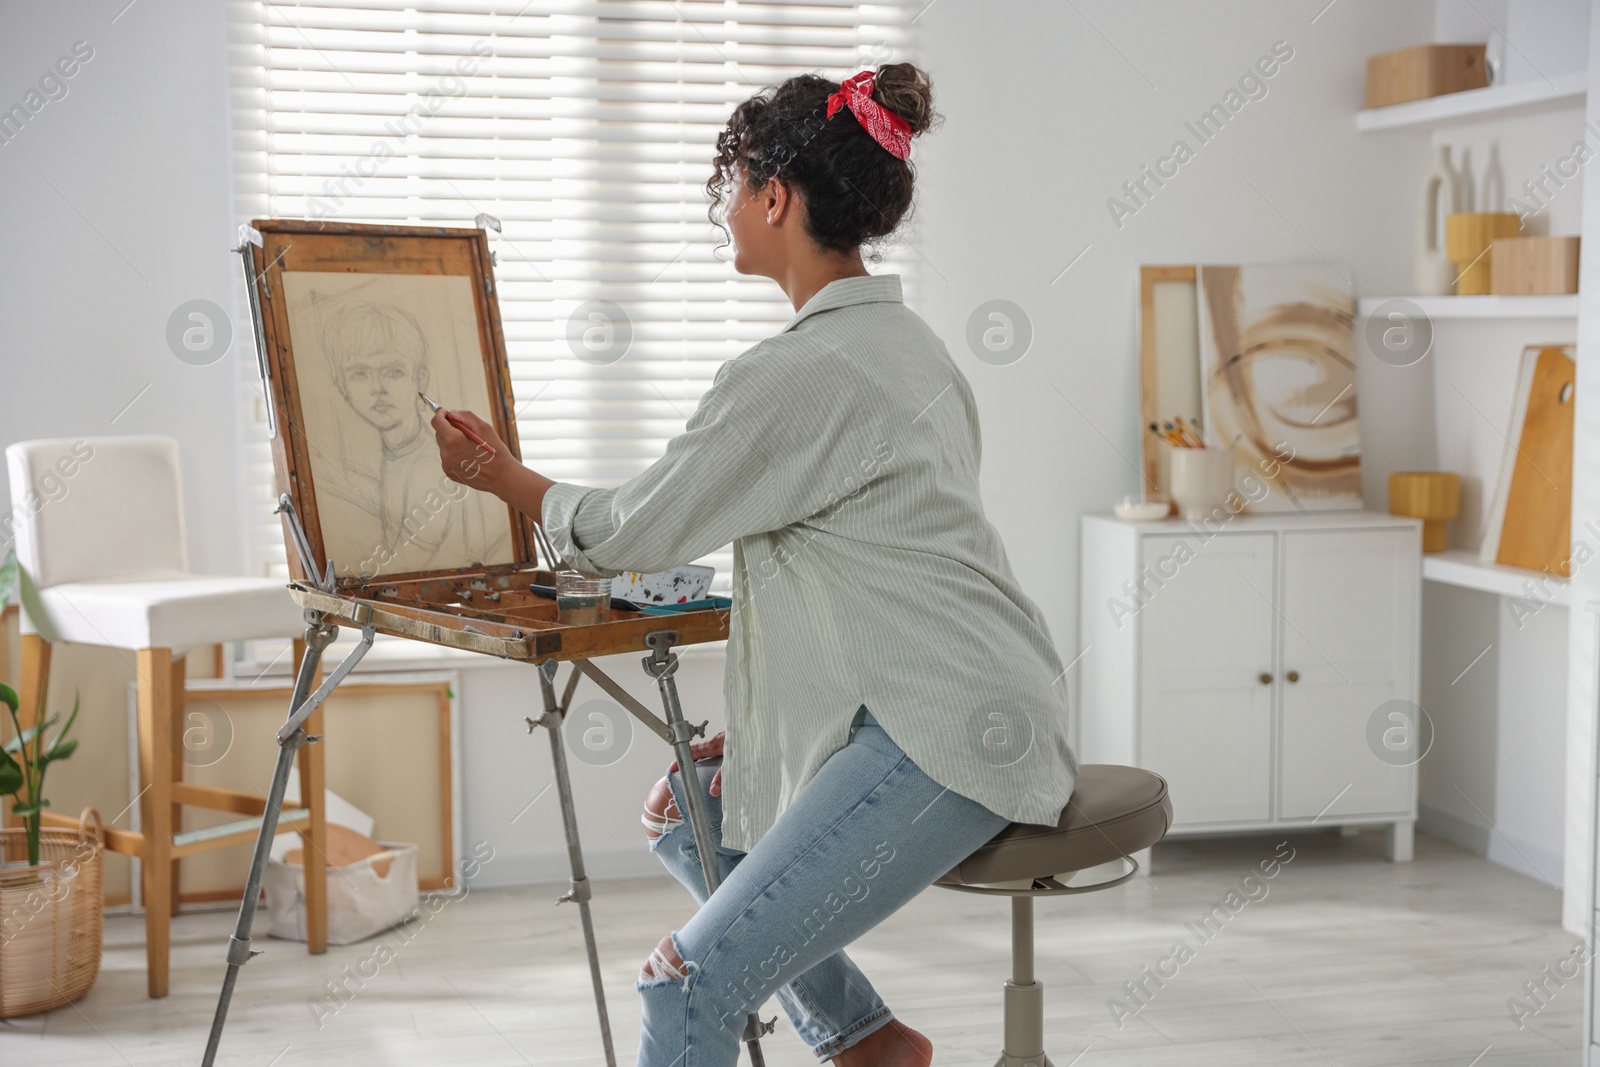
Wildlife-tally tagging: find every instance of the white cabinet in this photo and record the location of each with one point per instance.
(1266, 667)
(1202, 707)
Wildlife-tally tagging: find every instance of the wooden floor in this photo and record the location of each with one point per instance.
(1347, 960)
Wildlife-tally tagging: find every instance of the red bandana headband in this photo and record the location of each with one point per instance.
(887, 128)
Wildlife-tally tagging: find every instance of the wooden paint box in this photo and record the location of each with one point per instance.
(1423, 71)
(1525, 266)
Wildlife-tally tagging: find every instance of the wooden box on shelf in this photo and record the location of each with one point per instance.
(1529, 266)
(1423, 71)
(1469, 239)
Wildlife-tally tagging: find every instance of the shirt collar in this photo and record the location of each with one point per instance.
(842, 292)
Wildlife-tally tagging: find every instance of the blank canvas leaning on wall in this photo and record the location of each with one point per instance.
(1169, 363)
(1278, 382)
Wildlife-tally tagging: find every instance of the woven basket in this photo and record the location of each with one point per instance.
(51, 917)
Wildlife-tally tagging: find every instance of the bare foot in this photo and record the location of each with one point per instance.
(894, 1045)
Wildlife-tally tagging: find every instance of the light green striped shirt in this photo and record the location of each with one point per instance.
(840, 457)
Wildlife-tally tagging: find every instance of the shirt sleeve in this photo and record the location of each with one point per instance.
(752, 458)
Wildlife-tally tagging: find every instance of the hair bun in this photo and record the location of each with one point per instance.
(905, 89)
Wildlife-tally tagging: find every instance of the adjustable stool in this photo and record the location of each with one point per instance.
(1114, 812)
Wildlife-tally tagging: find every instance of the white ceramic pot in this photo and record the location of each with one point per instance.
(1200, 481)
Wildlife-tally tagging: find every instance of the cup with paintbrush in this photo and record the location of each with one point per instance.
(1200, 477)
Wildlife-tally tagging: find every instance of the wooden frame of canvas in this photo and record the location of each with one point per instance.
(345, 248)
(1169, 362)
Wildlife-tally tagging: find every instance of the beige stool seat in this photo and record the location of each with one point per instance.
(1114, 813)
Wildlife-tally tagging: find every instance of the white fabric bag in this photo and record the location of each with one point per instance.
(360, 902)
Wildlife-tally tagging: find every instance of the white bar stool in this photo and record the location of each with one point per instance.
(101, 540)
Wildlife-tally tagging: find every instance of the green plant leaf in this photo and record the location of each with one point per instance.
(8, 577)
(61, 735)
(25, 810)
(59, 750)
(27, 736)
(8, 695)
(11, 778)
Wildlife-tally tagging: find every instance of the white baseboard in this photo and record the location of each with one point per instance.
(1524, 857)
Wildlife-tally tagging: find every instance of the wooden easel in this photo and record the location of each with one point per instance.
(489, 610)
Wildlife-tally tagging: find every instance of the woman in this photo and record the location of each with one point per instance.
(893, 699)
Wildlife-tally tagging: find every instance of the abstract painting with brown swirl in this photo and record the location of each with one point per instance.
(1278, 382)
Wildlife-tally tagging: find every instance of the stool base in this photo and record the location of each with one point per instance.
(1008, 1060)
(1024, 1024)
(1024, 996)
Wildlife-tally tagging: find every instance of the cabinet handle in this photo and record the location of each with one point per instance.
(1266, 679)
(1293, 676)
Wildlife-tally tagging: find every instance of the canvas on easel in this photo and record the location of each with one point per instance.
(353, 321)
(357, 320)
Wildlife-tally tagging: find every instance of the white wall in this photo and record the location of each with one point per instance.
(115, 209)
(1046, 118)
(1494, 686)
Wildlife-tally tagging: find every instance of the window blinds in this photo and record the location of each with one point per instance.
(587, 129)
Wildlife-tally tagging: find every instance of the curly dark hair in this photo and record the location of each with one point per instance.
(853, 189)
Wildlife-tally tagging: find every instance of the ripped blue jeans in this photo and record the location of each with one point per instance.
(863, 837)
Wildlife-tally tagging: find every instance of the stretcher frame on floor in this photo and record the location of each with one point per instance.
(486, 610)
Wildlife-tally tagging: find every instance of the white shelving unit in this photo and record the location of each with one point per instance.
(1560, 90)
(1481, 307)
(1456, 566)
(1515, 709)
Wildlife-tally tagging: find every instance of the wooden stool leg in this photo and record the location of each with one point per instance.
(180, 672)
(155, 809)
(313, 782)
(32, 686)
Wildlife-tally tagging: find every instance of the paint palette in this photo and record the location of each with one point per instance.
(676, 586)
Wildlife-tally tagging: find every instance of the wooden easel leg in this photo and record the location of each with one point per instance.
(32, 685)
(313, 782)
(180, 672)
(155, 809)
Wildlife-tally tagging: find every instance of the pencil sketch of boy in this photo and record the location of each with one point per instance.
(379, 359)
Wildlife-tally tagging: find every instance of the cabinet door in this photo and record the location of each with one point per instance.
(1206, 633)
(1350, 605)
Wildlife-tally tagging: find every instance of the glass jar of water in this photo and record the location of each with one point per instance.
(582, 598)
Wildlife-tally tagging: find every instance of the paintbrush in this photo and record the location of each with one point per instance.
(458, 424)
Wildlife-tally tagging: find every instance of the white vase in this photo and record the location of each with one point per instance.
(1441, 191)
(1492, 193)
(1201, 482)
